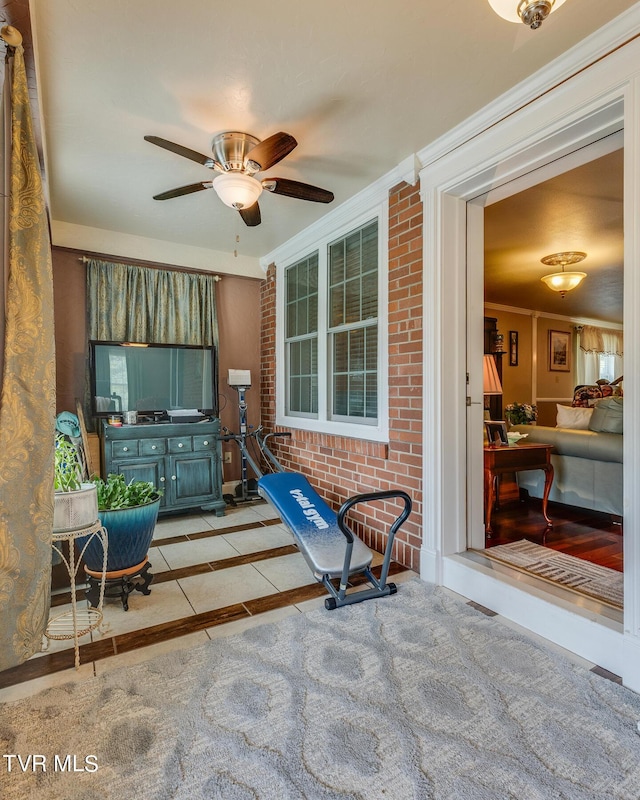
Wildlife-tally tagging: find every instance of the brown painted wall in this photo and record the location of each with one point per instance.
(70, 309)
(516, 380)
(338, 466)
(238, 302)
(239, 324)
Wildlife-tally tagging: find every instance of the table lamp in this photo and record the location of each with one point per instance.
(490, 382)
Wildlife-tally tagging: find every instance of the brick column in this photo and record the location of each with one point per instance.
(339, 466)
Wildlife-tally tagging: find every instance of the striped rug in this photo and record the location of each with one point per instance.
(582, 576)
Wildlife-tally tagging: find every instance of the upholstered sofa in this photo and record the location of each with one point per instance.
(587, 460)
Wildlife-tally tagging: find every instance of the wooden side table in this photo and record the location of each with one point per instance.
(515, 458)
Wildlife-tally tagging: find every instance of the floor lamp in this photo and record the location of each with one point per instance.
(490, 382)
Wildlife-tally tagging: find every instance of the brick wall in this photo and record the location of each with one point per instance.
(338, 466)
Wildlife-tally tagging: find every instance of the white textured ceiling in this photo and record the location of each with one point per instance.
(578, 210)
(360, 84)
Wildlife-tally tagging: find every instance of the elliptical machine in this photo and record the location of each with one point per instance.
(247, 489)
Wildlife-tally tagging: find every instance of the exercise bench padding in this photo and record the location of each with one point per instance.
(329, 547)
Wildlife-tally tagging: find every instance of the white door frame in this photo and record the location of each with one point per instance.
(476, 310)
(581, 110)
(475, 352)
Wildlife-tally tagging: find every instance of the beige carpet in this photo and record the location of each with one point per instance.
(601, 583)
(417, 696)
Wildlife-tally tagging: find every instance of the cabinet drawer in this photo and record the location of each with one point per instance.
(204, 443)
(153, 447)
(180, 444)
(125, 448)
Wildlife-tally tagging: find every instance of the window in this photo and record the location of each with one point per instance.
(302, 336)
(599, 354)
(353, 324)
(334, 374)
(606, 367)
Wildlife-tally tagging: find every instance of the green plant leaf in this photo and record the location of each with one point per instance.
(67, 471)
(115, 492)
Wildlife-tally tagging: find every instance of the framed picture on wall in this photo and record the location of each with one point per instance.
(559, 351)
(513, 348)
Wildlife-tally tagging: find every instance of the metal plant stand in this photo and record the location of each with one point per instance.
(119, 583)
(77, 622)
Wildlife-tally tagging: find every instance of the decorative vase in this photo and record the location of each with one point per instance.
(129, 533)
(75, 510)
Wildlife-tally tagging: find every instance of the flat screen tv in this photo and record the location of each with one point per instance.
(152, 378)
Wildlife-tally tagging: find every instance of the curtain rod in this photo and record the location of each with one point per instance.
(86, 260)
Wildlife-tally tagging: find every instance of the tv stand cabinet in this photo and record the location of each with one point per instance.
(184, 459)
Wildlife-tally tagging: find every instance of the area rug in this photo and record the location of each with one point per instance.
(410, 697)
(601, 583)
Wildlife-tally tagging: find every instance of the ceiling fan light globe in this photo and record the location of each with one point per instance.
(531, 12)
(237, 190)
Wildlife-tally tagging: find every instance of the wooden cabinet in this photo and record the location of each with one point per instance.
(183, 459)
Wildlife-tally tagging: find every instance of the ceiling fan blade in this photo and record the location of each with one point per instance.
(192, 187)
(206, 161)
(251, 215)
(301, 191)
(271, 150)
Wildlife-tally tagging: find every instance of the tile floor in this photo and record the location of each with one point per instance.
(213, 576)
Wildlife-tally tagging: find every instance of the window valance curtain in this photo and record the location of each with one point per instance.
(128, 303)
(601, 340)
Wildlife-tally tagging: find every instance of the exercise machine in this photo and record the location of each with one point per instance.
(332, 551)
(246, 490)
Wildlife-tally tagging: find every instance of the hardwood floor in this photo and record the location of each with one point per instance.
(591, 535)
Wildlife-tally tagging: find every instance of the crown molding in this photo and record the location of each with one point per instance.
(529, 312)
(124, 245)
(362, 203)
(620, 31)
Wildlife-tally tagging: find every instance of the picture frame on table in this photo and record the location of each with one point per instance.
(559, 351)
(496, 433)
(513, 348)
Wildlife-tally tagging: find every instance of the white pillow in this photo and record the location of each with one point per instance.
(576, 419)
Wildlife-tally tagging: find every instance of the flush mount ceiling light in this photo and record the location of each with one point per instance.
(532, 12)
(237, 190)
(563, 281)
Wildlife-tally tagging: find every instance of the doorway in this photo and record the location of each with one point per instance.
(578, 206)
(590, 106)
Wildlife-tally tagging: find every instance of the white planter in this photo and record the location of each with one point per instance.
(77, 510)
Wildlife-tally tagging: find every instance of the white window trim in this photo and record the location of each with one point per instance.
(321, 424)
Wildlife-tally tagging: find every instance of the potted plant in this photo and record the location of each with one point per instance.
(521, 414)
(129, 512)
(75, 502)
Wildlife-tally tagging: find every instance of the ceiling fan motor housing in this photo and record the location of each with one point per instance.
(230, 150)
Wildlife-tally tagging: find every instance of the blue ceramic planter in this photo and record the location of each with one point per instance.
(130, 531)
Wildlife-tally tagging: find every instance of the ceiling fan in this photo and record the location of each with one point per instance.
(238, 157)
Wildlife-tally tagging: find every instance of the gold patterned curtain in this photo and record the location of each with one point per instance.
(27, 398)
(140, 304)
